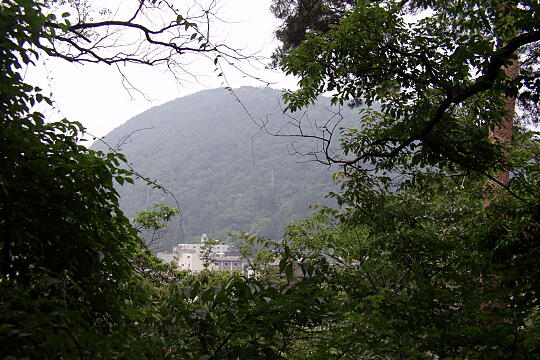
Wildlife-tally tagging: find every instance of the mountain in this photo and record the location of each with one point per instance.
(226, 173)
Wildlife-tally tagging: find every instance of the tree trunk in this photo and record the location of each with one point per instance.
(502, 135)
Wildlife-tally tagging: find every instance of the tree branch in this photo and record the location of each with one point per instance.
(483, 83)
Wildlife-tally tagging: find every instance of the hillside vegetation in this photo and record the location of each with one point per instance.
(226, 173)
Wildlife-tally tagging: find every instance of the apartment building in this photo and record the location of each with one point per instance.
(189, 257)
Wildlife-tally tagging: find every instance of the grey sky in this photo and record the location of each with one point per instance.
(95, 95)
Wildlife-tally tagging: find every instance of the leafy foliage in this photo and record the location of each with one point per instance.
(208, 255)
(424, 268)
(303, 17)
(440, 80)
(154, 223)
(429, 272)
(66, 276)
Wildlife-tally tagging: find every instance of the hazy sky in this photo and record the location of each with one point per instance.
(94, 95)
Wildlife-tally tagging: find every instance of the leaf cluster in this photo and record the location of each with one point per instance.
(440, 80)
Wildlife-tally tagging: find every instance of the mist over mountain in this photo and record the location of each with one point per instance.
(226, 173)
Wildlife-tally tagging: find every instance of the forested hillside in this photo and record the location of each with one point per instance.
(226, 173)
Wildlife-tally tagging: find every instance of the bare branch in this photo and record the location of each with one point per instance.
(153, 34)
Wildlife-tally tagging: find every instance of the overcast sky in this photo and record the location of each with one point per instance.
(95, 96)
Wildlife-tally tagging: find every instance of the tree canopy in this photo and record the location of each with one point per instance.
(65, 244)
(440, 79)
(430, 269)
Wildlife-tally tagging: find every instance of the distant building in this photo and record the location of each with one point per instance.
(169, 258)
(230, 260)
(188, 257)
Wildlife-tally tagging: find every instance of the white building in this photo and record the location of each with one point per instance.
(189, 257)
